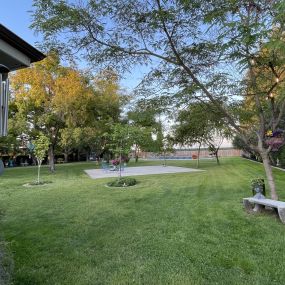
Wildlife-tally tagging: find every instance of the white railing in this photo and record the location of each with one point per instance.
(4, 101)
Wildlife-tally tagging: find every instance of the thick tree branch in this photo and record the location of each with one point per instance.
(194, 78)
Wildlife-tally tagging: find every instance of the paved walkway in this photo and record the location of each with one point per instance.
(141, 170)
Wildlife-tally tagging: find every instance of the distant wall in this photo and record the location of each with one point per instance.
(187, 153)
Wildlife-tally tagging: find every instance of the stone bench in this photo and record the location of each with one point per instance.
(260, 203)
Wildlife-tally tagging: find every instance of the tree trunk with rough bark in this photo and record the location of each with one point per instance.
(51, 159)
(65, 157)
(39, 170)
(198, 158)
(217, 157)
(269, 175)
(136, 154)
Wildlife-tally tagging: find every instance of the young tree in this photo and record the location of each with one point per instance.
(120, 142)
(194, 55)
(41, 144)
(166, 146)
(142, 124)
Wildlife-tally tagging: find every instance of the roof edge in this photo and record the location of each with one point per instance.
(21, 45)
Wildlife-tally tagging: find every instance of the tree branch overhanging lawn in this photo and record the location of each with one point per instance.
(246, 36)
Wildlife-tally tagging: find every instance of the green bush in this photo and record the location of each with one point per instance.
(281, 156)
(123, 182)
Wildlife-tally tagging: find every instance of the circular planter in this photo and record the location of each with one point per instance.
(123, 182)
(35, 184)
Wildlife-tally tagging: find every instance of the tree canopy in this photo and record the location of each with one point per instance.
(67, 105)
(198, 125)
(201, 49)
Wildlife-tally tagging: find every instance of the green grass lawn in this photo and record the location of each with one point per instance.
(187, 228)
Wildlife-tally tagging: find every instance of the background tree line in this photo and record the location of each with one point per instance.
(76, 111)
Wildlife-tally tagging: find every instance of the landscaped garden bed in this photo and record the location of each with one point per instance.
(122, 182)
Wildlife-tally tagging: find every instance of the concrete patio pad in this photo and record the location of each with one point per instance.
(140, 170)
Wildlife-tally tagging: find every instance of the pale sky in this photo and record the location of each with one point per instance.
(15, 15)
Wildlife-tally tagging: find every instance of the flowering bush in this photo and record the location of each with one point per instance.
(275, 139)
(116, 162)
(275, 143)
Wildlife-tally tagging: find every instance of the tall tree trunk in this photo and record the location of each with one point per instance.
(217, 156)
(1, 166)
(215, 150)
(269, 175)
(136, 154)
(51, 159)
(120, 159)
(65, 156)
(271, 159)
(198, 158)
(39, 170)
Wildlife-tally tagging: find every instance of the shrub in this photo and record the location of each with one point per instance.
(258, 186)
(36, 183)
(123, 182)
(257, 182)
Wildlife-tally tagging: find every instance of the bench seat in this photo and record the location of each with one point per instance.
(279, 205)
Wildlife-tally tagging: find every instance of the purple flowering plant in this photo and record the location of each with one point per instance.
(115, 162)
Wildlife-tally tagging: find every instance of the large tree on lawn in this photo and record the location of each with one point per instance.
(198, 125)
(206, 46)
(50, 97)
(142, 118)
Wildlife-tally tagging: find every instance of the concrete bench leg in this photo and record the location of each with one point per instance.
(247, 206)
(258, 208)
(281, 213)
